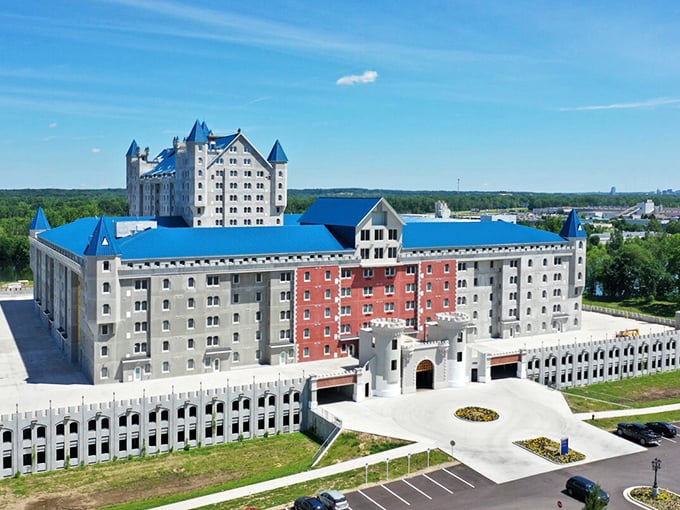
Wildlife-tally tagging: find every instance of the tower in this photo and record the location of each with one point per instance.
(453, 325)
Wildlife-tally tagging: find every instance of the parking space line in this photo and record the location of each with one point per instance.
(372, 500)
(458, 477)
(437, 483)
(671, 440)
(395, 495)
(416, 488)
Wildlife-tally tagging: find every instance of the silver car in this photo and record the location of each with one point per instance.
(334, 500)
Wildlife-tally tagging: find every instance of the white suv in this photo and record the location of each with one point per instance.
(334, 500)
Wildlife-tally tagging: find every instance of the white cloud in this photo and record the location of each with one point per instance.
(52, 125)
(367, 77)
(650, 103)
(96, 150)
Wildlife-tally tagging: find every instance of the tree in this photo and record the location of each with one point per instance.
(594, 500)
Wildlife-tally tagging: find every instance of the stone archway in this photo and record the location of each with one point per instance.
(425, 375)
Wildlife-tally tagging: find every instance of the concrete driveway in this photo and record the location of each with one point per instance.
(527, 410)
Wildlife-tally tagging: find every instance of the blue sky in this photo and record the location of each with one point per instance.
(533, 95)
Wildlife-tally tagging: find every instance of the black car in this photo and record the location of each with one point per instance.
(638, 433)
(308, 503)
(663, 428)
(580, 488)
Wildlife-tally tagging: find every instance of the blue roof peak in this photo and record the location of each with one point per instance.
(573, 227)
(133, 150)
(277, 155)
(199, 133)
(39, 221)
(101, 243)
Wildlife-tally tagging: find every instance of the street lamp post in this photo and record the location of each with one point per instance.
(387, 464)
(656, 465)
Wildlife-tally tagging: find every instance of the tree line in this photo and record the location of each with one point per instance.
(619, 269)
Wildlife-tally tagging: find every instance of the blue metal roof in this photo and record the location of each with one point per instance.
(165, 242)
(199, 133)
(101, 243)
(167, 165)
(132, 151)
(341, 212)
(276, 155)
(445, 234)
(573, 227)
(39, 221)
(223, 141)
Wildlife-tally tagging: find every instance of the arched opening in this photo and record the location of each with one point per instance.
(425, 375)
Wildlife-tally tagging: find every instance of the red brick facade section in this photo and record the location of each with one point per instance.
(316, 313)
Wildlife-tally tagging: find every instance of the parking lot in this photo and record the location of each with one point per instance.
(418, 491)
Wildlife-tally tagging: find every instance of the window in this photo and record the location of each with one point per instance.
(166, 326)
(308, 276)
(190, 283)
(326, 349)
(166, 367)
(410, 287)
(327, 294)
(236, 338)
(190, 303)
(346, 292)
(141, 284)
(166, 284)
(284, 296)
(306, 314)
(104, 373)
(305, 352)
(104, 351)
(368, 308)
(346, 273)
(365, 235)
(285, 277)
(166, 304)
(326, 314)
(447, 268)
(327, 331)
(236, 318)
(411, 270)
(190, 343)
(307, 295)
(305, 333)
(213, 281)
(389, 307)
(190, 364)
(368, 273)
(327, 276)
(429, 269)
(392, 234)
(389, 289)
(106, 266)
(106, 287)
(390, 272)
(106, 309)
(368, 291)
(345, 310)
(212, 341)
(166, 346)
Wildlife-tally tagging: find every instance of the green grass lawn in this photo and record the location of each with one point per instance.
(664, 309)
(284, 497)
(643, 391)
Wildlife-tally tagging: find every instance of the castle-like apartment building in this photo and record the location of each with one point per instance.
(207, 273)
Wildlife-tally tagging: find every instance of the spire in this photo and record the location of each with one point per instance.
(277, 155)
(39, 221)
(199, 133)
(133, 150)
(101, 243)
(573, 227)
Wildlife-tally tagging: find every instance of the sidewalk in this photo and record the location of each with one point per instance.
(305, 476)
(628, 412)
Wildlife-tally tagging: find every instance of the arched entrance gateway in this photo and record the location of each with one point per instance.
(425, 375)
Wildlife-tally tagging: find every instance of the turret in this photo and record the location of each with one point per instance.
(386, 341)
(453, 325)
(39, 223)
(279, 161)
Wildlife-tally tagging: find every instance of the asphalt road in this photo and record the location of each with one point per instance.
(461, 487)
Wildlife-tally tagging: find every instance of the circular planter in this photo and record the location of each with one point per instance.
(476, 414)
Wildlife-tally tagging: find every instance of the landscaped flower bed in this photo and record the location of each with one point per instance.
(473, 413)
(665, 501)
(550, 450)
